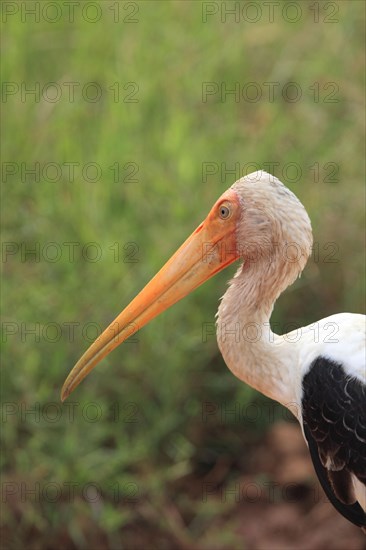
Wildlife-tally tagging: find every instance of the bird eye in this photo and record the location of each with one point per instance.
(224, 211)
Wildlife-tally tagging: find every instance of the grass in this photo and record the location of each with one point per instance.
(136, 426)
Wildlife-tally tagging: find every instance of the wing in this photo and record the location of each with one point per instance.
(334, 421)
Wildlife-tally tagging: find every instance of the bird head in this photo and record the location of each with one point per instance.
(245, 222)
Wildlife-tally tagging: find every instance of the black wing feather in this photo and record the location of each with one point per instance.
(352, 512)
(334, 419)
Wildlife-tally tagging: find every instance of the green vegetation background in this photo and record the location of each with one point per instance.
(149, 394)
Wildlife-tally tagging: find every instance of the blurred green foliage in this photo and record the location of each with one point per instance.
(135, 426)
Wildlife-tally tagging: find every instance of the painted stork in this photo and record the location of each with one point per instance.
(318, 372)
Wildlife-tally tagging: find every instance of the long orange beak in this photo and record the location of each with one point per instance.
(210, 248)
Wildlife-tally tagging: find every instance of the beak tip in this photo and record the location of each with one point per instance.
(64, 393)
